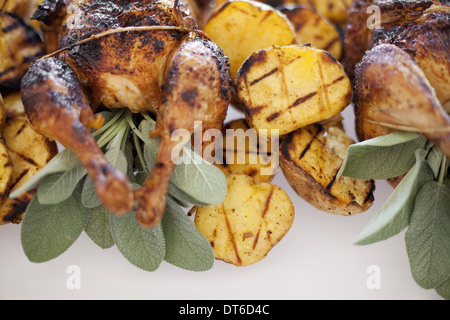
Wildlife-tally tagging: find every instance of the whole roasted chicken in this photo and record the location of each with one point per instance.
(400, 65)
(148, 56)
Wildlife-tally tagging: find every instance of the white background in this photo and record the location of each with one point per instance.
(315, 260)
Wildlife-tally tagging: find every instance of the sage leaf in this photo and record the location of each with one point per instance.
(395, 214)
(186, 247)
(428, 236)
(142, 247)
(98, 228)
(47, 231)
(382, 157)
(89, 197)
(444, 289)
(195, 180)
(63, 161)
(434, 158)
(58, 187)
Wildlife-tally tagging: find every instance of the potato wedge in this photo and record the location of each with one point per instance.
(20, 45)
(12, 103)
(312, 28)
(2, 114)
(246, 153)
(6, 169)
(242, 27)
(310, 159)
(29, 152)
(287, 88)
(253, 218)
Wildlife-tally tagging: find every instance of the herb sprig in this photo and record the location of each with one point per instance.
(420, 203)
(66, 203)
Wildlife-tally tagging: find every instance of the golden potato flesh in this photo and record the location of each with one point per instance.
(311, 27)
(13, 104)
(253, 218)
(242, 27)
(310, 159)
(6, 169)
(246, 153)
(2, 114)
(287, 88)
(29, 152)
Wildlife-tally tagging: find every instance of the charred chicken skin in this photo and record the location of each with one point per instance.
(401, 68)
(147, 56)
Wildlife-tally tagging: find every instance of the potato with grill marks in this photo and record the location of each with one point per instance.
(6, 168)
(310, 159)
(29, 152)
(287, 88)
(253, 218)
(242, 27)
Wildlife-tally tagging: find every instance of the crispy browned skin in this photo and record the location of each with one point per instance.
(421, 28)
(399, 97)
(180, 76)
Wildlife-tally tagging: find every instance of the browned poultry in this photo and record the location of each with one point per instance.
(148, 56)
(401, 67)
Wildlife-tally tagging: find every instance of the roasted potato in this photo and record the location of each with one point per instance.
(333, 10)
(20, 45)
(242, 27)
(245, 153)
(2, 114)
(399, 98)
(6, 169)
(287, 88)
(13, 104)
(29, 152)
(310, 159)
(253, 218)
(311, 27)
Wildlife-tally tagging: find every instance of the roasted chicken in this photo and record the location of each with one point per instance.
(148, 56)
(400, 66)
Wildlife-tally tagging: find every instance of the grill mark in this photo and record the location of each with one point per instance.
(268, 14)
(255, 242)
(264, 76)
(2, 73)
(273, 116)
(330, 44)
(16, 24)
(337, 80)
(332, 182)
(231, 236)
(369, 196)
(22, 174)
(29, 160)
(302, 100)
(306, 149)
(266, 206)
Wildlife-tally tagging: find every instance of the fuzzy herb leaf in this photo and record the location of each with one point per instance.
(186, 247)
(428, 236)
(99, 229)
(58, 187)
(382, 157)
(47, 231)
(395, 214)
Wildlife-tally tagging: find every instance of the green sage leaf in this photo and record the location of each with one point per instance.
(47, 231)
(63, 161)
(444, 289)
(382, 157)
(395, 214)
(186, 247)
(98, 228)
(142, 247)
(58, 187)
(428, 236)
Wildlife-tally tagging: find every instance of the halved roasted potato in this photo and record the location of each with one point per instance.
(286, 88)
(244, 152)
(312, 28)
(20, 45)
(12, 103)
(6, 169)
(29, 152)
(242, 27)
(2, 114)
(253, 218)
(310, 159)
